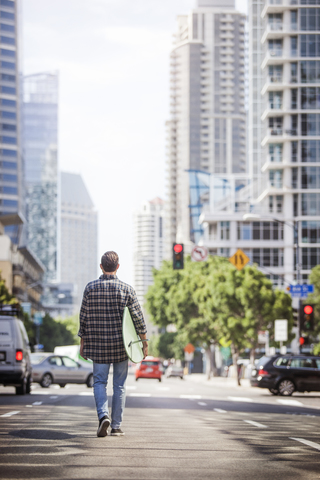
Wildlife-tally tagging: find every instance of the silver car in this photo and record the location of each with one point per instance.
(48, 368)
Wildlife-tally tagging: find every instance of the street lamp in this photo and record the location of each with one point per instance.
(295, 227)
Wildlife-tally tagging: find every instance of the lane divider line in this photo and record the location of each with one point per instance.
(9, 414)
(306, 442)
(86, 394)
(219, 410)
(255, 424)
(37, 403)
(240, 399)
(202, 404)
(54, 396)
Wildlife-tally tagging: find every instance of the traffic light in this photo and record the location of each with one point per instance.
(177, 252)
(307, 318)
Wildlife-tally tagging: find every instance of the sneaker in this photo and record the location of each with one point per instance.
(104, 423)
(117, 432)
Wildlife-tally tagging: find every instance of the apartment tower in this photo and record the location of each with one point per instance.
(207, 126)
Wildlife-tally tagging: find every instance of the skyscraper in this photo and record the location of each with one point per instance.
(148, 246)
(79, 235)
(40, 150)
(207, 126)
(288, 53)
(10, 149)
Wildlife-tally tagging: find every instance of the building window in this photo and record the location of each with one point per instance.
(310, 151)
(8, 40)
(310, 258)
(195, 25)
(8, 90)
(279, 203)
(310, 231)
(310, 124)
(260, 231)
(275, 178)
(294, 72)
(268, 257)
(7, 28)
(310, 204)
(225, 230)
(160, 227)
(310, 18)
(310, 71)
(8, 65)
(294, 98)
(310, 98)
(310, 177)
(7, 15)
(7, 53)
(275, 152)
(275, 100)
(295, 205)
(294, 46)
(310, 45)
(294, 152)
(294, 178)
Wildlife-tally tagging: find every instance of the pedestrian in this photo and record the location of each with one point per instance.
(103, 303)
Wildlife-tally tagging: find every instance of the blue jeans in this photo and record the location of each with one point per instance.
(100, 381)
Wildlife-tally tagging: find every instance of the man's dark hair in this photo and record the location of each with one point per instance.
(109, 261)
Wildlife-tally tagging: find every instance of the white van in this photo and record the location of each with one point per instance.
(15, 365)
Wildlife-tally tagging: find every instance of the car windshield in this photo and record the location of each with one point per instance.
(262, 361)
(150, 364)
(282, 361)
(37, 358)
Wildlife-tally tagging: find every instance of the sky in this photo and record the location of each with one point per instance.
(113, 62)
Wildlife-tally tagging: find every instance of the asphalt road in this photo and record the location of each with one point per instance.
(176, 429)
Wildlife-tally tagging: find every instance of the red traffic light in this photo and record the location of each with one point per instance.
(301, 340)
(178, 248)
(308, 309)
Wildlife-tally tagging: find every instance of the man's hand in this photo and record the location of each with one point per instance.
(145, 349)
(81, 349)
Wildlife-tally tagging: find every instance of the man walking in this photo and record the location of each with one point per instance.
(100, 330)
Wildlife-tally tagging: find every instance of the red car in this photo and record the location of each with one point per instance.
(150, 367)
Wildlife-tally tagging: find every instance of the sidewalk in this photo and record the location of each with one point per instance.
(217, 381)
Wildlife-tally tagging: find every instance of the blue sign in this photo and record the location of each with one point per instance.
(301, 291)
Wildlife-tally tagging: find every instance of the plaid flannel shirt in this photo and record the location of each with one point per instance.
(101, 314)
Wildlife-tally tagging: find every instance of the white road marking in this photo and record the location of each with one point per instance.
(86, 394)
(202, 404)
(191, 397)
(37, 403)
(307, 442)
(255, 424)
(219, 410)
(30, 406)
(54, 396)
(131, 387)
(289, 401)
(9, 414)
(240, 399)
(139, 394)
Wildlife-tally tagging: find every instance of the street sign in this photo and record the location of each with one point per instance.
(188, 356)
(199, 254)
(281, 330)
(301, 291)
(26, 307)
(189, 348)
(37, 318)
(239, 259)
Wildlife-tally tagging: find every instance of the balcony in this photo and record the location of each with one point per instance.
(273, 57)
(277, 6)
(273, 83)
(271, 110)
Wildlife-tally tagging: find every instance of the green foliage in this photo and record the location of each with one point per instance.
(72, 325)
(167, 345)
(210, 301)
(5, 296)
(53, 334)
(314, 298)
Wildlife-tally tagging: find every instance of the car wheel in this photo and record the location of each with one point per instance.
(62, 385)
(286, 387)
(137, 379)
(90, 381)
(22, 389)
(159, 379)
(181, 378)
(28, 386)
(46, 380)
(274, 391)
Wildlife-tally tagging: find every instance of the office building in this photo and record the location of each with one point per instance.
(10, 149)
(40, 151)
(286, 35)
(207, 126)
(148, 247)
(79, 235)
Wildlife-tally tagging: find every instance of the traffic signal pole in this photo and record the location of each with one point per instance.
(298, 268)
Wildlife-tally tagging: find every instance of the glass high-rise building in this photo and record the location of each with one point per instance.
(10, 151)
(207, 125)
(40, 150)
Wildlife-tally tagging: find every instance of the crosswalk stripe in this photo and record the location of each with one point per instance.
(219, 410)
(255, 424)
(9, 414)
(306, 442)
(191, 397)
(202, 404)
(240, 399)
(289, 401)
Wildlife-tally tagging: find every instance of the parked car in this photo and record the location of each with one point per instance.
(50, 368)
(174, 371)
(286, 374)
(150, 367)
(15, 365)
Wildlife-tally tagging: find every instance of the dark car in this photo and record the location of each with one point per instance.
(286, 374)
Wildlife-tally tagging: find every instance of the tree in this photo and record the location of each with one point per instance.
(212, 301)
(72, 325)
(53, 334)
